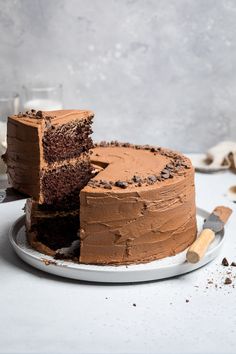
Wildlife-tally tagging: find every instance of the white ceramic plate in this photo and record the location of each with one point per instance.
(164, 268)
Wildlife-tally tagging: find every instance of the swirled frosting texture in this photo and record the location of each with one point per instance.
(141, 222)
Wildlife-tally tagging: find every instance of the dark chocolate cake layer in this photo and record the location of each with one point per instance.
(48, 231)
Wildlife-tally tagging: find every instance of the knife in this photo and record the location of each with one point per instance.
(212, 225)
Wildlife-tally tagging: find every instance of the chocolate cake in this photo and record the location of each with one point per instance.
(140, 207)
(48, 154)
(122, 203)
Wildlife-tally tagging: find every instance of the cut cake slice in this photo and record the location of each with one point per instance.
(48, 154)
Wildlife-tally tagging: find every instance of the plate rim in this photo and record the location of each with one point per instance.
(102, 270)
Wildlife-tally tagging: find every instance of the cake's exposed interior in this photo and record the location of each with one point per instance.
(57, 232)
(50, 230)
(61, 185)
(67, 141)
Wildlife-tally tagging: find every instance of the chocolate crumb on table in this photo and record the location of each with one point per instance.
(228, 281)
(225, 262)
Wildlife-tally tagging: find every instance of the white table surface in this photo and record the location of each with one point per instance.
(40, 313)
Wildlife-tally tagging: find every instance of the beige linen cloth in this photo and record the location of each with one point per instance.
(220, 157)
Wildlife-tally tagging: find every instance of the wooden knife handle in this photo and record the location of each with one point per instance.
(198, 249)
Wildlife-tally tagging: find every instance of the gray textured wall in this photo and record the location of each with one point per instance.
(154, 71)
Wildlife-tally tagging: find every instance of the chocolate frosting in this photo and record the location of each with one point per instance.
(132, 221)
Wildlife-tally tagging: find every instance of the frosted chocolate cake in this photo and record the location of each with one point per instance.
(48, 154)
(140, 207)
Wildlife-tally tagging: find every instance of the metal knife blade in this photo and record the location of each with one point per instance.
(217, 219)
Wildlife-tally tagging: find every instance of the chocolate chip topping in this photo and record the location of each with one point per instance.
(39, 114)
(33, 114)
(136, 179)
(165, 173)
(152, 179)
(176, 166)
(107, 186)
(121, 184)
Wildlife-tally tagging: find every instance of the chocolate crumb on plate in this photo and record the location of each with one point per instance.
(186, 300)
(233, 264)
(48, 261)
(134, 305)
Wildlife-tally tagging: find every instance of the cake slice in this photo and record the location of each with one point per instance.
(48, 154)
